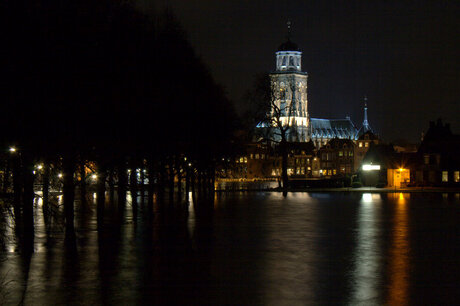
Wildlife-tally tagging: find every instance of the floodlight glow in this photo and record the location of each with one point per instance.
(94, 177)
(371, 167)
(12, 149)
(60, 175)
(39, 167)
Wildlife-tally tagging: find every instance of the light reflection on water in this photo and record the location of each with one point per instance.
(241, 248)
(367, 254)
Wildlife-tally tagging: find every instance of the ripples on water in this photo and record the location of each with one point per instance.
(244, 248)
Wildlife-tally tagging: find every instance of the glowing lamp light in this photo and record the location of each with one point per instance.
(371, 167)
(40, 167)
(60, 175)
(94, 177)
(12, 149)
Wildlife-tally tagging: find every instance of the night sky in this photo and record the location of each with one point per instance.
(402, 54)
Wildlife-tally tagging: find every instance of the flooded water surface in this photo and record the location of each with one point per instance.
(243, 248)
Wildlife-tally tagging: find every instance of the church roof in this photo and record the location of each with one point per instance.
(333, 128)
(288, 46)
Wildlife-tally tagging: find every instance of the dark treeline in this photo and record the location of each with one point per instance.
(97, 85)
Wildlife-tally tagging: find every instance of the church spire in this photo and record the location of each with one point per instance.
(366, 126)
(289, 29)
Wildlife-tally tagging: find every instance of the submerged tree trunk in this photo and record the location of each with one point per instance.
(83, 184)
(28, 207)
(133, 189)
(284, 162)
(111, 186)
(46, 186)
(69, 195)
(142, 189)
(171, 179)
(17, 188)
(151, 188)
(122, 182)
(6, 177)
(100, 195)
(179, 179)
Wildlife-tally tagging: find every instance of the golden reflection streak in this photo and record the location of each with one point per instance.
(399, 259)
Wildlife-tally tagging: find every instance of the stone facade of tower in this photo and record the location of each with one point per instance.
(289, 85)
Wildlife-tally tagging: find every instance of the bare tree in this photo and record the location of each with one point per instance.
(275, 115)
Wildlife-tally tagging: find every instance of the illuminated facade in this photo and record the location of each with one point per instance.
(289, 85)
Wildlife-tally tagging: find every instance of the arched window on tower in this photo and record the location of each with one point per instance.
(284, 61)
(282, 94)
(291, 61)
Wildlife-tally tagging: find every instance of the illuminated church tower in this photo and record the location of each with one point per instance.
(289, 85)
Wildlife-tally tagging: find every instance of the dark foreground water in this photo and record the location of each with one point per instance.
(246, 248)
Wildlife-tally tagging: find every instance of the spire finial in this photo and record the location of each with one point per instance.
(365, 101)
(289, 23)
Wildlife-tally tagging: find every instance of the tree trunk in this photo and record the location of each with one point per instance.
(142, 178)
(6, 177)
(151, 188)
(17, 187)
(179, 179)
(111, 186)
(83, 185)
(46, 186)
(28, 207)
(69, 194)
(187, 181)
(100, 196)
(284, 164)
(133, 189)
(122, 182)
(171, 179)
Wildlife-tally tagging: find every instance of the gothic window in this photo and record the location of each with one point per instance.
(284, 61)
(283, 94)
(291, 61)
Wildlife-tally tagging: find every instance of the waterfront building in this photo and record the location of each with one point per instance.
(439, 157)
(337, 158)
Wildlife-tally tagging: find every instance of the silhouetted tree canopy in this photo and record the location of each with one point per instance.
(98, 78)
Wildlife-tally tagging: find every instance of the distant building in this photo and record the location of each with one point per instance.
(439, 157)
(364, 142)
(337, 158)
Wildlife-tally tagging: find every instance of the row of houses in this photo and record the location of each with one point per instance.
(435, 162)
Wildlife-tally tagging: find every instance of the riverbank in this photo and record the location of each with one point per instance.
(350, 189)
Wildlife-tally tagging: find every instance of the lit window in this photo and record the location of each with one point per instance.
(350, 153)
(257, 156)
(252, 156)
(456, 176)
(334, 172)
(366, 144)
(303, 171)
(340, 153)
(245, 159)
(360, 144)
(445, 176)
(297, 171)
(426, 159)
(308, 168)
(241, 159)
(329, 172)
